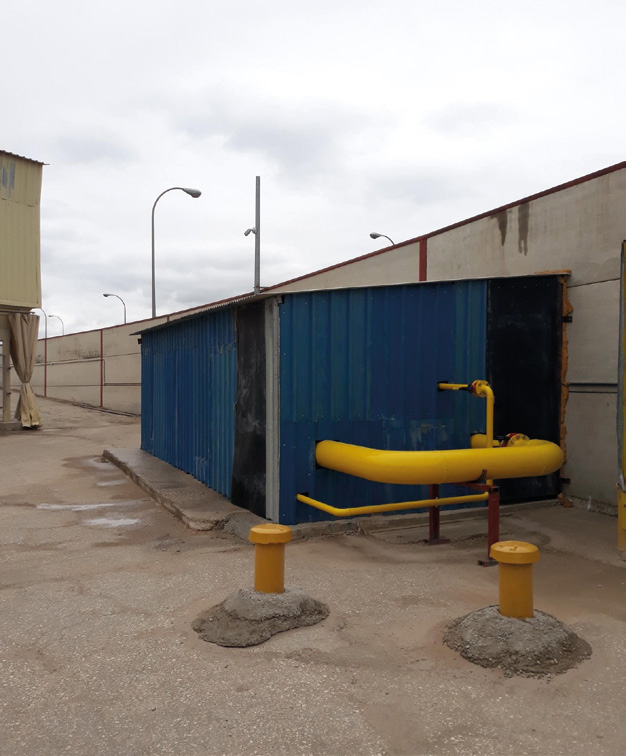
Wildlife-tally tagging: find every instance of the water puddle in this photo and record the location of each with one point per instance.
(112, 522)
(87, 507)
(96, 462)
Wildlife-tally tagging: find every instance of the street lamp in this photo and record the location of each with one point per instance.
(374, 235)
(45, 323)
(121, 300)
(45, 351)
(62, 323)
(195, 193)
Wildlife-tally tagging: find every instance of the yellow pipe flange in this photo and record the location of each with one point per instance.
(269, 556)
(516, 559)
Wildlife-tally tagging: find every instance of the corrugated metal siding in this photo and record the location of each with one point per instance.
(188, 397)
(362, 366)
(20, 270)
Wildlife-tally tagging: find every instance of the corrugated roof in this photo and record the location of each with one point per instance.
(22, 157)
(267, 293)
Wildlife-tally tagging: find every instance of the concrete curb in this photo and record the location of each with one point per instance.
(198, 506)
(202, 508)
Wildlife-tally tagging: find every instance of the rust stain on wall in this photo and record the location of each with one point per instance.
(523, 219)
(503, 222)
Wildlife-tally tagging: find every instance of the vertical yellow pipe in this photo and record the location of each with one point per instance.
(489, 421)
(516, 559)
(269, 557)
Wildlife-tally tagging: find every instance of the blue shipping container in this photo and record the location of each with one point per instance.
(362, 366)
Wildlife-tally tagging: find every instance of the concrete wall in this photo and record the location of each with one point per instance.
(393, 266)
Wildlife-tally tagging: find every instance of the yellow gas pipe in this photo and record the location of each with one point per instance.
(525, 458)
(483, 390)
(517, 457)
(377, 508)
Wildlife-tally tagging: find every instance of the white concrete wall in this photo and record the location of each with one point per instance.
(396, 266)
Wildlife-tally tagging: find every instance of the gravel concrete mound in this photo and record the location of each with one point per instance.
(537, 647)
(247, 617)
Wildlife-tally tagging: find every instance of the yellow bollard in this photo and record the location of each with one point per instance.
(269, 556)
(516, 559)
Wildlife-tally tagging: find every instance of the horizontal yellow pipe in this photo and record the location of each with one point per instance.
(524, 460)
(452, 386)
(374, 508)
(479, 441)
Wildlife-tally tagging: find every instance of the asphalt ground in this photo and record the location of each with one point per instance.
(99, 587)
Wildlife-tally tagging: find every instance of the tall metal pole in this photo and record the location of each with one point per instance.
(153, 276)
(257, 239)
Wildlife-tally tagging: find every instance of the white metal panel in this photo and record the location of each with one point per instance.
(74, 374)
(122, 398)
(122, 370)
(593, 334)
(75, 346)
(592, 447)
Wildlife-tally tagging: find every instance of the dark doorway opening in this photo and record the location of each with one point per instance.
(524, 352)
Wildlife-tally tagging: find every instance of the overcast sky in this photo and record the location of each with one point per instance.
(397, 117)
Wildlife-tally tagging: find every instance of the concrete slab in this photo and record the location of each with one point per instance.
(201, 508)
(198, 506)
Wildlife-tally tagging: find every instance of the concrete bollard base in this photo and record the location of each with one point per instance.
(247, 617)
(540, 646)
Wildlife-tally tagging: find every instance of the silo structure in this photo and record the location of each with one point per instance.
(20, 279)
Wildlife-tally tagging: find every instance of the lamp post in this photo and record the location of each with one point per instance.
(195, 193)
(62, 323)
(374, 235)
(45, 351)
(121, 300)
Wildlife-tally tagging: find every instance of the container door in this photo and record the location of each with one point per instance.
(524, 342)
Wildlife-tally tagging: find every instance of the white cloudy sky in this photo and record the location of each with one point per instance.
(398, 117)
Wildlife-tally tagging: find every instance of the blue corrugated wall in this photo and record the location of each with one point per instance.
(188, 393)
(362, 366)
